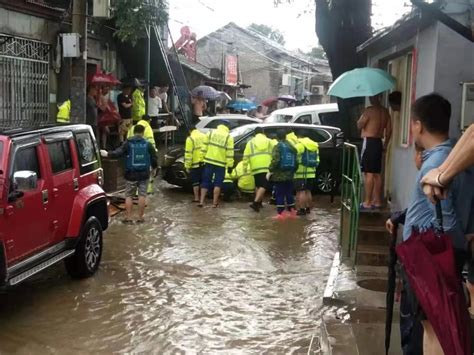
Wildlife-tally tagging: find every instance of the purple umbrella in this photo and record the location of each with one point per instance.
(206, 92)
(288, 98)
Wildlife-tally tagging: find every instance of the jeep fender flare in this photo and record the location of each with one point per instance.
(82, 201)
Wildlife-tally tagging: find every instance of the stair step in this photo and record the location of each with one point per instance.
(371, 228)
(375, 255)
(373, 235)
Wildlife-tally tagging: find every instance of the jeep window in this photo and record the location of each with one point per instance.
(317, 135)
(280, 119)
(331, 119)
(87, 152)
(305, 119)
(60, 155)
(26, 159)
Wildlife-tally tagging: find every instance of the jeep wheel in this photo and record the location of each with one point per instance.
(85, 261)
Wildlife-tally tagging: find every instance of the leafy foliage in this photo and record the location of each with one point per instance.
(133, 16)
(317, 52)
(267, 31)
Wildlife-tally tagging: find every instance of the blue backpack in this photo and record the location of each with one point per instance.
(138, 158)
(287, 158)
(310, 159)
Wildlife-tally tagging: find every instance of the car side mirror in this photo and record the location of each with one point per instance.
(25, 180)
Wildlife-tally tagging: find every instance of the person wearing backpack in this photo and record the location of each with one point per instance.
(282, 170)
(140, 158)
(306, 174)
(257, 159)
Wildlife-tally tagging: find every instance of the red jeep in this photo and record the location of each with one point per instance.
(52, 206)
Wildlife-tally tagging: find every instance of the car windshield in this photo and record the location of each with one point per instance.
(241, 131)
(279, 118)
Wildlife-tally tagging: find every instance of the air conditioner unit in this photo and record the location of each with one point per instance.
(286, 80)
(317, 90)
(101, 8)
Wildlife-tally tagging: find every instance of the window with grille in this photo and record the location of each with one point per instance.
(24, 81)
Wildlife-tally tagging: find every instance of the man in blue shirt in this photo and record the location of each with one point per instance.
(430, 129)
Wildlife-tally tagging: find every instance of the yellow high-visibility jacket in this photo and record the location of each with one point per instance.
(148, 135)
(138, 105)
(193, 150)
(295, 142)
(258, 154)
(245, 180)
(305, 172)
(218, 147)
(64, 112)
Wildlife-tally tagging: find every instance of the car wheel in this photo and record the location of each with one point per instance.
(325, 182)
(86, 259)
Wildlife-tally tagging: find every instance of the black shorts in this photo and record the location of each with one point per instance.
(304, 184)
(372, 152)
(261, 181)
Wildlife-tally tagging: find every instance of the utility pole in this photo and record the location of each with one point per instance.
(79, 65)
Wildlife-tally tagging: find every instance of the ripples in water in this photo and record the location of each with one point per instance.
(191, 280)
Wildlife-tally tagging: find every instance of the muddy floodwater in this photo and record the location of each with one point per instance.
(190, 280)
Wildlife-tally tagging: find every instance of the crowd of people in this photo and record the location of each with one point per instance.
(106, 114)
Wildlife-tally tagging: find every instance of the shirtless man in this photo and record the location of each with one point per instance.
(199, 106)
(375, 124)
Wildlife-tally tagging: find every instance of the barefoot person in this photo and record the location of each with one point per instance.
(375, 124)
(141, 156)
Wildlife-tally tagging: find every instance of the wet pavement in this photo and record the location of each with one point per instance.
(189, 280)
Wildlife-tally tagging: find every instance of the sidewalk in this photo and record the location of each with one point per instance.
(355, 321)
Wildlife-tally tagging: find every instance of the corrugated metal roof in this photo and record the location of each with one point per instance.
(197, 68)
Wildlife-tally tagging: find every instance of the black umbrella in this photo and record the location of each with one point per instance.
(392, 276)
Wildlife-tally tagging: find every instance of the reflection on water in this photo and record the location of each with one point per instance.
(190, 280)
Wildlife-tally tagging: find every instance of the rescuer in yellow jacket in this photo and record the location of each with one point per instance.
(150, 137)
(257, 159)
(218, 153)
(245, 180)
(138, 104)
(193, 159)
(305, 177)
(64, 112)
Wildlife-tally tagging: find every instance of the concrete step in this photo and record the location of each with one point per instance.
(373, 235)
(374, 255)
(373, 217)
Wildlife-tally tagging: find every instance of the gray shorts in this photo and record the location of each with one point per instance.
(132, 186)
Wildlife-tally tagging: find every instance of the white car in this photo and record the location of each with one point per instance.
(207, 123)
(326, 114)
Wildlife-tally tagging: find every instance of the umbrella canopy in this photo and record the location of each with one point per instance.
(287, 98)
(206, 92)
(362, 82)
(428, 260)
(103, 79)
(241, 105)
(270, 101)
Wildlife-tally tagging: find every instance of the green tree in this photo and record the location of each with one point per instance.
(133, 16)
(269, 32)
(317, 52)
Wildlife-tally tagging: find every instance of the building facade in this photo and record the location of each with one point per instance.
(265, 66)
(425, 56)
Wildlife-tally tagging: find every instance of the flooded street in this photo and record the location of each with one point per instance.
(189, 280)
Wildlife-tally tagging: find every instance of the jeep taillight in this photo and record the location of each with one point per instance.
(100, 177)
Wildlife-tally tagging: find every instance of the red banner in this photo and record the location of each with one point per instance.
(231, 71)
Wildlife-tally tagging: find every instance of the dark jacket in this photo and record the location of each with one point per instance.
(122, 151)
(277, 174)
(398, 217)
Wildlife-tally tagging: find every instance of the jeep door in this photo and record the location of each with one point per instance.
(64, 178)
(27, 228)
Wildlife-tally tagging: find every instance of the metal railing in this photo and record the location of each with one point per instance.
(351, 188)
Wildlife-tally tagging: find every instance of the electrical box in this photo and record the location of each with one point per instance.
(467, 109)
(317, 90)
(101, 8)
(286, 80)
(71, 45)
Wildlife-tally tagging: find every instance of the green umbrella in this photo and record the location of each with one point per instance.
(362, 82)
